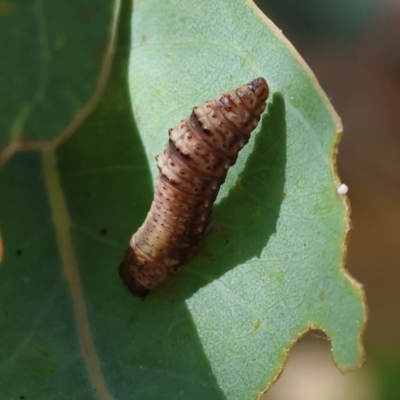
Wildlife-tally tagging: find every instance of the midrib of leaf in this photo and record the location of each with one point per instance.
(62, 223)
(16, 132)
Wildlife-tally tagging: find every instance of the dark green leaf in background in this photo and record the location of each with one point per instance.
(271, 267)
(55, 62)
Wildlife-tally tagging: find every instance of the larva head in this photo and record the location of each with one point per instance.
(260, 87)
(252, 96)
(236, 115)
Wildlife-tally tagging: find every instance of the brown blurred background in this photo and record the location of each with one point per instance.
(353, 47)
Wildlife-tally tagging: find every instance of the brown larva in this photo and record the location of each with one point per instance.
(192, 167)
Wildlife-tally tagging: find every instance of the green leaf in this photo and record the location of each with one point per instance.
(55, 62)
(271, 268)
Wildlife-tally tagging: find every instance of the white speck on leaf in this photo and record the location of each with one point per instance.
(342, 188)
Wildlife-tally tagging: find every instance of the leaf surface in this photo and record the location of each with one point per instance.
(222, 328)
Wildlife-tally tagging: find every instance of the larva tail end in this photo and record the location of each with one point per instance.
(135, 287)
(260, 87)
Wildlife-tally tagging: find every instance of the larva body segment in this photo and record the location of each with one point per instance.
(192, 167)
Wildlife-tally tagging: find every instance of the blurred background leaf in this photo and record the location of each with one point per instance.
(56, 54)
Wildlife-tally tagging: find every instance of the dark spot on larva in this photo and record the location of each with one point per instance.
(103, 232)
(18, 252)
